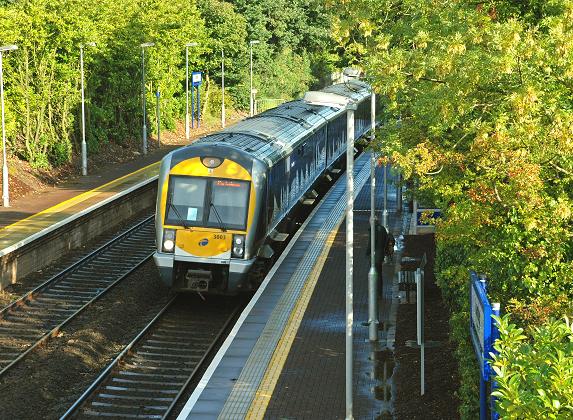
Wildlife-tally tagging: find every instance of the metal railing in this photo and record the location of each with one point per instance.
(263, 104)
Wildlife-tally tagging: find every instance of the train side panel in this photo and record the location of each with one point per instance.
(295, 174)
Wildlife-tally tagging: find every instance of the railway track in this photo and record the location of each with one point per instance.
(41, 313)
(148, 377)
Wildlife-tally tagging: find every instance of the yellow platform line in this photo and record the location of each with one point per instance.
(80, 198)
(267, 386)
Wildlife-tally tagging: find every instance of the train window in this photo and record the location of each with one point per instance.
(230, 200)
(186, 198)
(196, 201)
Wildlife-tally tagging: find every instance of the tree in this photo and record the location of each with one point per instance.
(480, 119)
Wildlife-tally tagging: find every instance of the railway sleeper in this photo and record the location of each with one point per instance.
(130, 373)
(129, 397)
(130, 407)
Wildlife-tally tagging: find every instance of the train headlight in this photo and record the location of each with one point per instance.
(238, 246)
(168, 240)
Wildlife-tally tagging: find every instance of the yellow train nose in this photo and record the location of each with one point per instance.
(204, 244)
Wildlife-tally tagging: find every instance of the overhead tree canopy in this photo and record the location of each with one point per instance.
(480, 120)
(42, 77)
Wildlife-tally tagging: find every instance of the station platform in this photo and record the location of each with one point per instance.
(37, 214)
(285, 356)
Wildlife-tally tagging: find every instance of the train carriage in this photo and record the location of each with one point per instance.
(221, 199)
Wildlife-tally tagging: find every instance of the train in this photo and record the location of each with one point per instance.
(221, 199)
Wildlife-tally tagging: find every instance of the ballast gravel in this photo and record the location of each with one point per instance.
(49, 380)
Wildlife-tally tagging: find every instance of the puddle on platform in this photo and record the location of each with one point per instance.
(386, 415)
(384, 370)
(384, 365)
(382, 355)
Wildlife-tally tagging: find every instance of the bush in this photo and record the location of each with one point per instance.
(534, 374)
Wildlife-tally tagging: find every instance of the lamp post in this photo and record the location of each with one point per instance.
(349, 252)
(189, 44)
(84, 146)
(373, 274)
(158, 97)
(5, 192)
(222, 88)
(143, 46)
(251, 43)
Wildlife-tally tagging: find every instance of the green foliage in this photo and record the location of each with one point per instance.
(480, 110)
(42, 78)
(228, 31)
(534, 374)
(294, 38)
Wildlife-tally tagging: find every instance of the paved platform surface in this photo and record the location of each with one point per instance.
(285, 358)
(37, 212)
(312, 383)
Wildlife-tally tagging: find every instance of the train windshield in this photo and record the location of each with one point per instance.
(196, 201)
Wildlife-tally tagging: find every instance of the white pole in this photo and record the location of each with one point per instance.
(385, 212)
(143, 46)
(349, 253)
(84, 147)
(251, 88)
(186, 92)
(252, 109)
(222, 88)
(372, 274)
(5, 192)
(144, 128)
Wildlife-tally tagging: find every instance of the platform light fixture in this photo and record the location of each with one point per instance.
(5, 191)
(189, 44)
(143, 47)
(373, 275)
(350, 110)
(222, 88)
(251, 43)
(84, 145)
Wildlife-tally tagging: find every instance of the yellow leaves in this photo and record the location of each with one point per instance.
(525, 101)
(422, 159)
(531, 224)
(421, 40)
(340, 30)
(457, 47)
(367, 27)
(562, 210)
(561, 134)
(383, 42)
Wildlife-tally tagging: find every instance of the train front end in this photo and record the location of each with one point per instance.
(206, 204)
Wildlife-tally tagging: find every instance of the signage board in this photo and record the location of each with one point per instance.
(196, 78)
(480, 323)
(427, 214)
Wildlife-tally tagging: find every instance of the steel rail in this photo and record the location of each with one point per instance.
(68, 269)
(203, 360)
(128, 351)
(65, 305)
(115, 362)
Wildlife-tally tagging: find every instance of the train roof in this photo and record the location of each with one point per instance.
(353, 89)
(274, 133)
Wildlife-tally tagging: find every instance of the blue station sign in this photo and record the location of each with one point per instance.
(483, 332)
(196, 78)
(480, 323)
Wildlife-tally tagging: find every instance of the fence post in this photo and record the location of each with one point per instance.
(420, 324)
